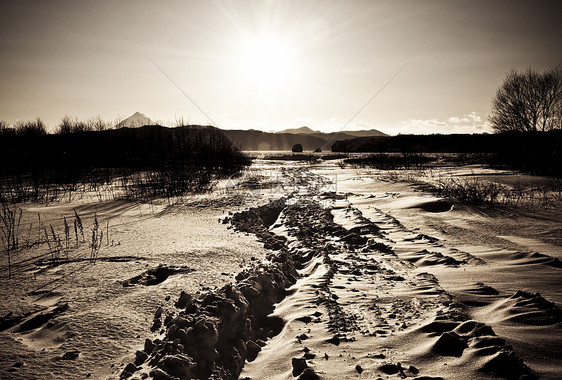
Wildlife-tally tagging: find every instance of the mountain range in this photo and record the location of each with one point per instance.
(308, 131)
(283, 140)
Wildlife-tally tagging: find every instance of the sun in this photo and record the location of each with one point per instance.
(266, 62)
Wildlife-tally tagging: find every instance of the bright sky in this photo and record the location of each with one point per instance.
(271, 65)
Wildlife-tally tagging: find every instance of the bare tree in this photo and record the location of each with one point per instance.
(68, 125)
(528, 102)
(98, 124)
(30, 128)
(552, 99)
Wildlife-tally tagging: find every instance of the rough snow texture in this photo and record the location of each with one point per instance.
(374, 281)
(215, 332)
(324, 291)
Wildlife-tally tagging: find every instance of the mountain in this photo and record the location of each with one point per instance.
(343, 133)
(135, 120)
(366, 133)
(284, 140)
(297, 130)
(258, 140)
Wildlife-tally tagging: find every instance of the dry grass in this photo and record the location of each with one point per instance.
(56, 240)
(97, 238)
(479, 191)
(10, 218)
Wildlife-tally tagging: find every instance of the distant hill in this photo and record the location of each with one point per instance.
(341, 135)
(136, 120)
(361, 133)
(258, 140)
(531, 152)
(366, 133)
(284, 140)
(455, 143)
(300, 130)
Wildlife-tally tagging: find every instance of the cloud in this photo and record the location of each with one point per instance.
(472, 117)
(468, 123)
(430, 123)
(420, 126)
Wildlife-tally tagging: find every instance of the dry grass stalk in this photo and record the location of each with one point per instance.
(10, 218)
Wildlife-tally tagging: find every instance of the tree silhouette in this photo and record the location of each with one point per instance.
(528, 102)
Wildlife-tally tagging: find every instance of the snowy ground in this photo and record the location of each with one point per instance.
(396, 282)
(83, 307)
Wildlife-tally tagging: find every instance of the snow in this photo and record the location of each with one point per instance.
(391, 280)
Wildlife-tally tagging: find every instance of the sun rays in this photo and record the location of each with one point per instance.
(266, 62)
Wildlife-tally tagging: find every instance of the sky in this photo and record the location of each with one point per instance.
(420, 66)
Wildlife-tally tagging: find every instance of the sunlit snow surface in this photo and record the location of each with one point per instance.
(491, 261)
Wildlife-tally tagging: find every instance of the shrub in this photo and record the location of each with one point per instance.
(150, 161)
(389, 161)
(30, 128)
(68, 125)
(6, 130)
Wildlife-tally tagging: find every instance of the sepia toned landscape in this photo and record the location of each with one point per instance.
(352, 215)
(354, 269)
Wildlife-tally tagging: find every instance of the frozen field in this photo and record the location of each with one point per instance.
(372, 277)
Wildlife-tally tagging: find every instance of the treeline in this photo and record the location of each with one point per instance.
(150, 161)
(533, 152)
(23, 128)
(66, 125)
